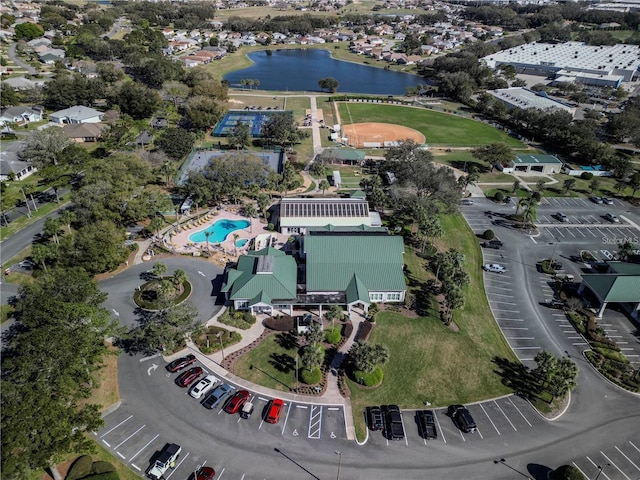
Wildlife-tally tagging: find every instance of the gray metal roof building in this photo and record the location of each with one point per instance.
(517, 97)
(606, 62)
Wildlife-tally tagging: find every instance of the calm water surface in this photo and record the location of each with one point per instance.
(300, 70)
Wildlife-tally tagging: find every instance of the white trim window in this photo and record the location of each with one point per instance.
(376, 296)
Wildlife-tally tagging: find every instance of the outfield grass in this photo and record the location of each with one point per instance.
(438, 128)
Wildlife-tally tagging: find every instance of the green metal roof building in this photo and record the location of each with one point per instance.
(347, 268)
(366, 266)
(623, 288)
(262, 280)
(342, 155)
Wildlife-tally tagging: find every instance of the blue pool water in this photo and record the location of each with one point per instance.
(242, 242)
(219, 231)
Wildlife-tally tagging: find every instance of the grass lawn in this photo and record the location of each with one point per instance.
(271, 364)
(438, 128)
(350, 176)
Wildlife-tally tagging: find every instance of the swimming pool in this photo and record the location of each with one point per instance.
(220, 230)
(242, 242)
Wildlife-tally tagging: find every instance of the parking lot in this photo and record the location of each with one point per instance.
(583, 231)
(502, 418)
(615, 462)
(135, 440)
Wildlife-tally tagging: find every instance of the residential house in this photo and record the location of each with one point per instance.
(21, 115)
(76, 114)
(12, 167)
(84, 132)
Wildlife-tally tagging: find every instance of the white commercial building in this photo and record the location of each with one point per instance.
(517, 97)
(592, 65)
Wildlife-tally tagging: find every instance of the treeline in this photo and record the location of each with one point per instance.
(187, 16)
(287, 24)
(557, 22)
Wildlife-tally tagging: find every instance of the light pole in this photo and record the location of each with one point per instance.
(296, 372)
(339, 453)
(219, 335)
(600, 469)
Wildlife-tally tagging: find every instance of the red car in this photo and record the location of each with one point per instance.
(205, 473)
(236, 402)
(181, 363)
(273, 413)
(187, 378)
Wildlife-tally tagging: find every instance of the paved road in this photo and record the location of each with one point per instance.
(11, 52)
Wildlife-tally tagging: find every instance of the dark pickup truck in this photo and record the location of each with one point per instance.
(394, 430)
(427, 424)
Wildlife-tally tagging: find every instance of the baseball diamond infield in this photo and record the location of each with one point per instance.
(371, 135)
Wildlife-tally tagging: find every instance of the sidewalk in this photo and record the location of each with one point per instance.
(330, 397)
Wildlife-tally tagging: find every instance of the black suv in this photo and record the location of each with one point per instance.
(496, 244)
(374, 418)
(462, 418)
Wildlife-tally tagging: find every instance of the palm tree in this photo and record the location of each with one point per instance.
(625, 250)
(516, 186)
(51, 228)
(235, 242)
(41, 253)
(324, 185)
(158, 269)
(366, 356)
(312, 357)
(156, 224)
(207, 234)
(530, 214)
(67, 217)
(179, 278)
(263, 204)
(315, 334)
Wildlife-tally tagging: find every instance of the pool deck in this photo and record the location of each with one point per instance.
(179, 242)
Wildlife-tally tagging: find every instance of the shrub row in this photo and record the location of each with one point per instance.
(241, 320)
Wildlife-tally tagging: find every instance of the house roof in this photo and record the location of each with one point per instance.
(10, 163)
(262, 276)
(625, 268)
(84, 130)
(611, 287)
(537, 159)
(375, 260)
(77, 112)
(12, 112)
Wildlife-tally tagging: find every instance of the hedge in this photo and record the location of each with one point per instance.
(371, 379)
(332, 335)
(80, 468)
(311, 377)
(105, 476)
(101, 466)
(282, 323)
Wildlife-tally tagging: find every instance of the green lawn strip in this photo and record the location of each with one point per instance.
(273, 365)
(438, 128)
(5, 312)
(23, 221)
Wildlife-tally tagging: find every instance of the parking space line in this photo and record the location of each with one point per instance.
(286, 419)
(122, 442)
(302, 406)
(527, 348)
(521, 414)
(177, 466)
(623, 454)
(263, 399)
(585, 475)
(520, 338)
(580, 343)
(222, 471)
(112, 429)
(136, 467)
(479, 433)
(514, 328)
(120, 455)
(440, 428)
(494, 425)
(601, 471)
(140, 451)
(614, 465)
(505, 416)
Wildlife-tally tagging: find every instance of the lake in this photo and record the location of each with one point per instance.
(300, 69)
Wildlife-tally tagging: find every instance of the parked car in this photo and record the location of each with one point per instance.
(374, 418)
(274, 410)
(495, 244)
(181, 363)
(187, 378)
(466, 201)
(26, 263)
(462, 418)
(393, 428)
(607, 201)
(612, 218)
(247, 410)
(215, 397)
(427, 424)
(493, 267)
(562, 217)
(237, 401)
(597, 200)
(203, 386)
(205, 473)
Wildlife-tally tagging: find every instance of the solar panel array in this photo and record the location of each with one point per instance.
(324, 208)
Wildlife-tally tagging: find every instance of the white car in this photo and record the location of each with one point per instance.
(612, 218)
(493, 267)
(203, 386)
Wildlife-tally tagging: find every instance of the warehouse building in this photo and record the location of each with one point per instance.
(517, 97)
(601, 65)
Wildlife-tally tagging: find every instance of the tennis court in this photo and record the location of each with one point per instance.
(254, 118)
